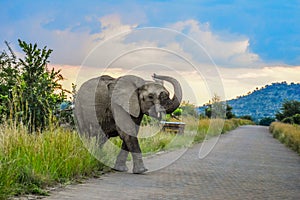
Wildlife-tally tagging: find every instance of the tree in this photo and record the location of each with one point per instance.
(290, 112)
(266, 121)
(248, 117)
(229, 113)
(9, 74)
(35, 92)
(216, 108)
(186, 109)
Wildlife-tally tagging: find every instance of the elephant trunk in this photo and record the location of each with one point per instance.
(171, 104)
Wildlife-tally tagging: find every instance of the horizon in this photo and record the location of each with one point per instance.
(245, 45)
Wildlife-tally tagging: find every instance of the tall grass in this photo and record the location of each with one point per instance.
(287, 133)
(195, 131)
(29, 163)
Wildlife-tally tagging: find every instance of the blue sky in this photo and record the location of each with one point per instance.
(271, 26)
(242, 36)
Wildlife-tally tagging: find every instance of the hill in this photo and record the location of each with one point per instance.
(264, 102)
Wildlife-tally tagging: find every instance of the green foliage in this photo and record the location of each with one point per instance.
(248, 117)
(65, 111)
(152, 121)
(9, 74)
(178, 112)
(296, 118)
(266, 121)
(29, 92)
(188, 109)
(31, 162)
(146, 120)
(215, 108)
(290, 112)
(229, 113)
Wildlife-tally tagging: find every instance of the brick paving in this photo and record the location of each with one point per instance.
(246, 163)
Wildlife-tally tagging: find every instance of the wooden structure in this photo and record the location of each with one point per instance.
(173, 127)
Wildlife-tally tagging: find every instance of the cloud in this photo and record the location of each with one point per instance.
(117, 38)
(111, 25)
(145, 51)
(228, 50)
(241, 80)
(74, 47)
(235, 82)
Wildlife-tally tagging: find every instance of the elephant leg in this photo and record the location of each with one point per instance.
(138, 164)
(128, 131)
(120, 164)
(134, 147)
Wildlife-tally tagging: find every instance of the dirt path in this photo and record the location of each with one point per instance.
(246, 163)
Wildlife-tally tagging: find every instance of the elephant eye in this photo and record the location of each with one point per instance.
(151, 96)
(163, 95)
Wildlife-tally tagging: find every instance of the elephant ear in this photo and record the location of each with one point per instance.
(125, 94)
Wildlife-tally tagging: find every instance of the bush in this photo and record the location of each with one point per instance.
(296, 119)
(187, 109)
(287, 133)
(177, 112)
(248, 117)
(266, 121)
(288, 109)
(288, 120)
(32, 96)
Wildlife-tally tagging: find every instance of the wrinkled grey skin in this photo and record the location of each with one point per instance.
(107, 107)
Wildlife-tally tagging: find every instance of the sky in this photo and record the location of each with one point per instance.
(223, 47)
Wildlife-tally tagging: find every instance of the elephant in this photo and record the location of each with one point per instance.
(109, 107)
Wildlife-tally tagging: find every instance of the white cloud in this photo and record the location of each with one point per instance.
(224, 50)
(241, 80)
(111, 25)
(73, 47)
(162, 52)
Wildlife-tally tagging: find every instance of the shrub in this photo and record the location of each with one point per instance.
(287, 133)
(288, 120)
(248, 117)
(266, 121)
(288, 109)
(296, 119)
(33, 94)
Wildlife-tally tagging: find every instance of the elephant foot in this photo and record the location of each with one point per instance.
(121, 168)
(139, 170)
(138, 164)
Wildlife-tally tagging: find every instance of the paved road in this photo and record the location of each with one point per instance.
(247, 163)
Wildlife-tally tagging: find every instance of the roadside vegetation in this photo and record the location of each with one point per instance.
(287, 129)
(36, 152)
(30, 163)
(288, 134)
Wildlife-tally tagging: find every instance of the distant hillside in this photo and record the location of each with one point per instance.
(264, 102)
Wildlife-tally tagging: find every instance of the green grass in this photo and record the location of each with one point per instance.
(29, 163)
(288, 134)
